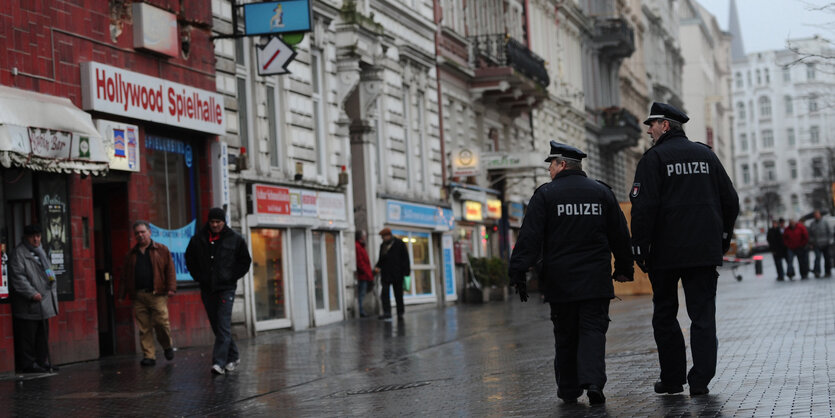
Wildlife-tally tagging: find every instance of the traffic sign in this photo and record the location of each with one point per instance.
(274, 57)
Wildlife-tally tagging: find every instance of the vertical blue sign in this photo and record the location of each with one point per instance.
(449, 267)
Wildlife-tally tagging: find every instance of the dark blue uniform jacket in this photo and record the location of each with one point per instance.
(575, 223)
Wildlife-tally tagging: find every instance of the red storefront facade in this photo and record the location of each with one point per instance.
(159, 119)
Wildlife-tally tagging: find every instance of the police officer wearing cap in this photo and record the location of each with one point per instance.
(574, 223)
(683, 211)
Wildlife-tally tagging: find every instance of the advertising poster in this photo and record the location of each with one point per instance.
(177, 241)
(55, 224)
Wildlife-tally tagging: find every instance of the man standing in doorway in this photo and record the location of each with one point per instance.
(34, 300)
(365, 278)
(684, 207)
(217, 257)
(149, 279)
(576, 225)
(393, 265)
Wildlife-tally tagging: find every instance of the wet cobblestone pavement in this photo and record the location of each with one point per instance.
(496, 359)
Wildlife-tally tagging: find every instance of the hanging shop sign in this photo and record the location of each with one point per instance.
(515, 213)
(276, 17)
(517, 160)
(121, 143)
(126, 93)
(465, 162)
(402, 213)
(473, 211)
(494, 209)
(274, 57)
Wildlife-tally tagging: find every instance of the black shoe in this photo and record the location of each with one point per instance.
(569, 400)
(803, 277)
(661, 387)
(169, 353)
(363, 315)
(148, 362)
(385, 316)
(34, 369)
(697, 391)
(49, 368)
(779, 279)
(595, 395)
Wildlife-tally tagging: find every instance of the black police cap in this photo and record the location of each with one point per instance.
(564, 151)
(665, 111)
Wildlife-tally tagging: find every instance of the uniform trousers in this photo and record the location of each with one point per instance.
(699, 285)
(580, 344)
(151, 312)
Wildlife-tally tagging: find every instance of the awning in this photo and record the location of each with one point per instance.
(48, 133)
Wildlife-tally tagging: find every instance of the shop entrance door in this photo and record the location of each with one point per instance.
(111, 234)
(300, 305)
(327, 295)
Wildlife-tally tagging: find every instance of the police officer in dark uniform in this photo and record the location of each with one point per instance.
(575, 224)
(683, 211)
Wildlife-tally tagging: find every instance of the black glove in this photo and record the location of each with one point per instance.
(726, 243)
(522, 291)
(619, 277)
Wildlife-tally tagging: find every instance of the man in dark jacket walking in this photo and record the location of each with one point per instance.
(575, 224)
(776, 246)
(217, 257)
(393, 265)
(684, 207)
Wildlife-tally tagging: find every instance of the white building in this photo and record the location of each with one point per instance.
(783, 130)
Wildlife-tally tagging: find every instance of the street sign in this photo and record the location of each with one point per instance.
(274, 57)
(277, 17)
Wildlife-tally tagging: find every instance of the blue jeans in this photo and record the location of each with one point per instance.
(219, 310)
(362, 289)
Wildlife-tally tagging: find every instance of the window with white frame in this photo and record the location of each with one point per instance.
(790, 137)
(749, 77)
(746, 174)
(769, 171)
(759, 78)
(243, 127)
(813, 103)
(420, 139)
(788, 103)
(407, 135)
(817, 167)
(275, 148)
(793, 169)
(453, 12)
(787, 74)
(765, 106)
(738, 79)
(768, 138)
(810, 71)
(740, 111)
(795, 203)
(743, 142)
(318, 110)
(767, 76)
(814, 135)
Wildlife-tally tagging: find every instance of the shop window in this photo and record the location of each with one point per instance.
(326, 270)
(419, 245)
(268, 274)
(174, 190)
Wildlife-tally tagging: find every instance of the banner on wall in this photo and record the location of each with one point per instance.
(449, 268)
(177, 241)
(54, 209)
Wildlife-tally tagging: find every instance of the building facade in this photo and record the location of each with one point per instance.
(141, 148)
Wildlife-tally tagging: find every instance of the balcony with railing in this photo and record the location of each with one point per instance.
(619, 129)
(507, 73)
(614, 38)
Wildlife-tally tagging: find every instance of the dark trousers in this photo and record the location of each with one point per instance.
(778, 264)
(580, 345)
(822, 252)
(219, 310)
(398, 296)
(31, 343)
(802, 261)
(700, 295)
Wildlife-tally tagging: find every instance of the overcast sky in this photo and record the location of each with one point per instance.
(766, 24)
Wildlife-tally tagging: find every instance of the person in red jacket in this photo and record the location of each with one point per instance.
(365, 278)
(796, 238)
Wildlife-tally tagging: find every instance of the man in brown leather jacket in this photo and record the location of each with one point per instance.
(150, 278)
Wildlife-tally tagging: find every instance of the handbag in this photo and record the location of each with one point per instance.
(407, 283)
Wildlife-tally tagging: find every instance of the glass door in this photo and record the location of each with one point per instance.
(327, 296)
(268, 278)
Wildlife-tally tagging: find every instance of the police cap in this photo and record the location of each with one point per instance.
(564, 151)
(665, 111)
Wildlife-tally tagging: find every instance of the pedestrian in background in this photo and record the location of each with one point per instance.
(575, 224)
(684, 207)
(819, 236)
(149, 279)
(392, 265)
(774, 236)
(365, 278)
(796, 238)
(217, 257)
(34, 297)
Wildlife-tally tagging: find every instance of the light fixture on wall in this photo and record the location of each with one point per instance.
(299, 171)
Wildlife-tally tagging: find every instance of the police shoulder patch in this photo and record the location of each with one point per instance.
(636, 188)
(604, 183)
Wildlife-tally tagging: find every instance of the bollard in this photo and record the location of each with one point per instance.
(758, 265)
